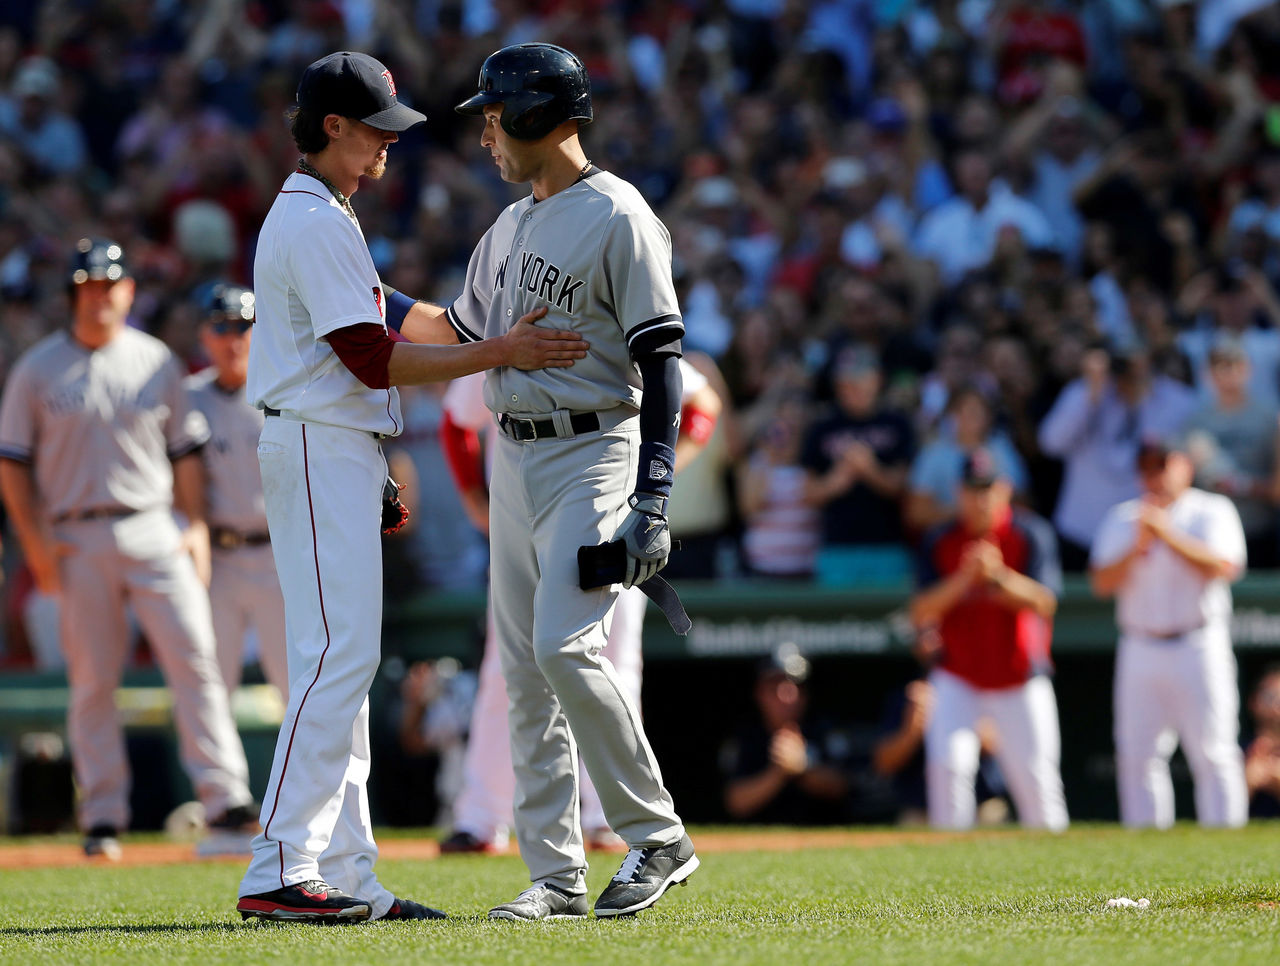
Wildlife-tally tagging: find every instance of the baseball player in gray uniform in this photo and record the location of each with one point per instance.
(98, 442)
(323, 368)
(585, 247)
(243, 588)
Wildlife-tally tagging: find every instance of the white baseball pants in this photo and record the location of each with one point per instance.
(1168, 692)
(245, 593)
(483, 806)
(323, 489)
(139, 559)
(1030, 745)
(548, 498)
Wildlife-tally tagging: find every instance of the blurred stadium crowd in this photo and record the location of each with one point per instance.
(901, 228)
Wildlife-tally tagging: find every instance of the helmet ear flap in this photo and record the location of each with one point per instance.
(529, 115)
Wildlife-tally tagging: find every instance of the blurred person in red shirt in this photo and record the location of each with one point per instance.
(988, 583)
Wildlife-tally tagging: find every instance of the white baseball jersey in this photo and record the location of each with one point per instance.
(1163, 594)
(234, 491)
(100, 427)
(599, 260)
(313, 275)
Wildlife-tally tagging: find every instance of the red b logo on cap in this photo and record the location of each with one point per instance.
(391, 85)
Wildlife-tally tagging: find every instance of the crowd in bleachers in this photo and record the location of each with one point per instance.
(900, 228)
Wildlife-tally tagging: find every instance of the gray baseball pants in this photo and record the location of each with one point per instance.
(138, 559)
(549, 497)
(245, 593)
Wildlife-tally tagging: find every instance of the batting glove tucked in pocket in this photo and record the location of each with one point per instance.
(646, 536)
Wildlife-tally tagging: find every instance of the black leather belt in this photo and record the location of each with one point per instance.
(96, 513)
(275, 412)
(523, 430)
(1170, 635)
(225, 538)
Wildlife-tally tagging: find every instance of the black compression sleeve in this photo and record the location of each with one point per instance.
(659, 421)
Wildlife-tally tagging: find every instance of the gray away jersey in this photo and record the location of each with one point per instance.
(234, 490)
(100, 427)
(599, 259)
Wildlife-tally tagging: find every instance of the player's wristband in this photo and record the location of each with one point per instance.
(657, 469)
(398, 306)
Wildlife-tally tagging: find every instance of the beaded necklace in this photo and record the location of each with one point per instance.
(305, 167)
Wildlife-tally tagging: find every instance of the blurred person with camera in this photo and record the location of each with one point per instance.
(1232, 441)
(1262, 753)
(1095, 427)
(786, 767)
(1236, 301)
(935, 473)
(898, 752)
(1168, 557)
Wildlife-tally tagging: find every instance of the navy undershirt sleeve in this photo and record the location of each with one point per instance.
(659, 420)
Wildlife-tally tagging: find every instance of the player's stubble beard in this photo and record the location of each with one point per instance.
(379, 165)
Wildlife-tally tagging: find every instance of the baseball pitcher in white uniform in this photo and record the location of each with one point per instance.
(98, 443)
(323, 367)
(1168, 558)
(482, 815)
(243, 588)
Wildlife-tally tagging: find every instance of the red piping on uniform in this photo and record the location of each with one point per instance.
(300, 192)
(394, 422)
(315, 547)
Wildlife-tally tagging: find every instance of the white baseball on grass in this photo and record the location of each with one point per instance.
(1122, 902)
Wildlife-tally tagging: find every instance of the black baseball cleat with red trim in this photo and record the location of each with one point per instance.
(408, 909)
(314, 901)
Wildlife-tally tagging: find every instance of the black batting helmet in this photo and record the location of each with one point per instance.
(97, 259)
(541, 86)
(223, 300)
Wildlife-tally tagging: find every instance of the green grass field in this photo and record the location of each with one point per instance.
(1006, 897)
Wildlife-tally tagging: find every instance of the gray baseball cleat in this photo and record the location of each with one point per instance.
(645, 875)
(542, 901)
(103, 841)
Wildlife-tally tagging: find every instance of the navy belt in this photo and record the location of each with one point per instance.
(96, 513)
(224, 538)
(1170, 635)
(524, 429)
(275, 412)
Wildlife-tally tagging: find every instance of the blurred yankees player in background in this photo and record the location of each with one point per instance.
(1168, 558)
(585, 248)
(243, 588)
(98, 445)
(482, 811)
(322, 367)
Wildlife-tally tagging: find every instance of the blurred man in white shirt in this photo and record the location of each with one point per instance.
(1168, 557)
